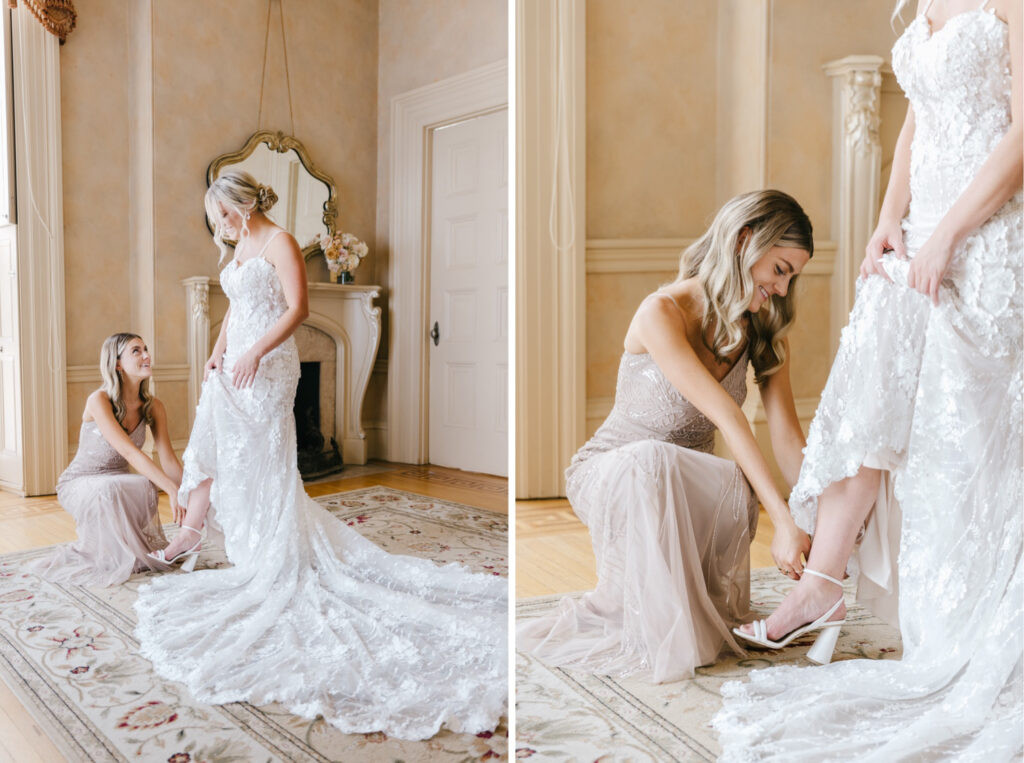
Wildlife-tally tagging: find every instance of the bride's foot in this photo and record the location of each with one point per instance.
(812, 598)
(187, 540)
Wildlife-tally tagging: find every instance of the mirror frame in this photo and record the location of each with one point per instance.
(278, 141)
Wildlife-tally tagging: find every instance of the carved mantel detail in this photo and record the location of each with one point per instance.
(346, 313)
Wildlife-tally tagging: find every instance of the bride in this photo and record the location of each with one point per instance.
(916, 445)
(310, 615)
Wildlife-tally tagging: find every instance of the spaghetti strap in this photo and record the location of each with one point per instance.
(929, 5)
(983, 4)
(666, 296)
(267, 243)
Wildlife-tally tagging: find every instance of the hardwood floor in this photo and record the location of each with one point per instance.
(33, 522)
(553, 551)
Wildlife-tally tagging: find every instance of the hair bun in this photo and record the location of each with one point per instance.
(265, 198)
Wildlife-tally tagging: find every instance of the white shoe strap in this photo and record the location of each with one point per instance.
(829, 578)
(761, 630)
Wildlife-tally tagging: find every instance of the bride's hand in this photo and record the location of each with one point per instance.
(888, 236)
(929, 266)
(246, 368)
(789, 543)
(215, 363)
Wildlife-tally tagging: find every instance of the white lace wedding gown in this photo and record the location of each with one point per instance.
(932, 395)
(312, 615)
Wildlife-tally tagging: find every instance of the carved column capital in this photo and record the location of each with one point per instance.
(862, 109)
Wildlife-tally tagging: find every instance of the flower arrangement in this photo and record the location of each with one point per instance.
(343, 252)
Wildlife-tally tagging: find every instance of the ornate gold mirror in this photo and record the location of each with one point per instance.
(306, 199)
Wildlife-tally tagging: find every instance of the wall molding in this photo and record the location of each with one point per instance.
(414, 115)
(661, 255)
(178, 372)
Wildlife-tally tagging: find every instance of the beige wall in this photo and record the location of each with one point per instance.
(205, 79)
(650, 117)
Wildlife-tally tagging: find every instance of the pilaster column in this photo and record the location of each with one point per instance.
(40, 252)
(197, 299)
(856, 173)
(550, 242)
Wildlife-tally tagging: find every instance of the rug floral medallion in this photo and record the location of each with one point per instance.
(569, 715)
(69, 654)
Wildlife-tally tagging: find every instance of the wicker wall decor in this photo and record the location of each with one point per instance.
(58, 17)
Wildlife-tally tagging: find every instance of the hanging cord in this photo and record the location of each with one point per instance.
(263, 71)
(287, 77)
(561, 164)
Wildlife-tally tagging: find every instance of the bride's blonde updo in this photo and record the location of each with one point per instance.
(721, 260)
(241, 192)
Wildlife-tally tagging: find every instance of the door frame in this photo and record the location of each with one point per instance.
(414, 117)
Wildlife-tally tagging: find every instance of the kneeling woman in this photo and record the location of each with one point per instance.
(116, 511)
(671, 524)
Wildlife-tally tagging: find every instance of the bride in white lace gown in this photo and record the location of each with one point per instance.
(310, 615)
(921, 422)
(671, 523)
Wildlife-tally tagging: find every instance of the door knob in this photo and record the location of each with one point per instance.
(435, 334)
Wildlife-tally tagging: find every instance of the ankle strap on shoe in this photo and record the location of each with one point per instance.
(829, 578)
(200, 532)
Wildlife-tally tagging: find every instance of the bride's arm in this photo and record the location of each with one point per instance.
(286, 258)
(216, 360)
(998, 179)
(889, 231)
(662, 330)
(783, 424)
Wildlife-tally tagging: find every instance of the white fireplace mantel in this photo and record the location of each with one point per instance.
(345, 312)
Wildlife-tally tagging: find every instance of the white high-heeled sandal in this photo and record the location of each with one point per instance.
(189, 556)
(823, 647)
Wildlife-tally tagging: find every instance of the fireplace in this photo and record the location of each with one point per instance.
(318, 453)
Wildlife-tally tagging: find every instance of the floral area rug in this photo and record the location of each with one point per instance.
(69, 654)
(569, 715)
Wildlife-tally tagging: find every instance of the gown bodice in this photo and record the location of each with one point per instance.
(958, 82)
(648, 407)
(97, 456)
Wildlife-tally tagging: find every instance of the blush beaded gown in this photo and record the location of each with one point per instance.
(671, 527)
(115, 515)
(932, 395)
(311, 614)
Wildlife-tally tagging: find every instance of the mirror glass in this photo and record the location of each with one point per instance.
(305, 196)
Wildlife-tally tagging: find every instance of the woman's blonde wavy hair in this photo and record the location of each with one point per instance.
(721, 260)
(111, 351)
(241, 192)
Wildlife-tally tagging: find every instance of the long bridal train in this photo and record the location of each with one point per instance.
(312, 615)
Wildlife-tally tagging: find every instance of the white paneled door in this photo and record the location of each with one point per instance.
(10, 386)
(469, 295)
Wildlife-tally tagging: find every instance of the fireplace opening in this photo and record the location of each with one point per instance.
(317, 457)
